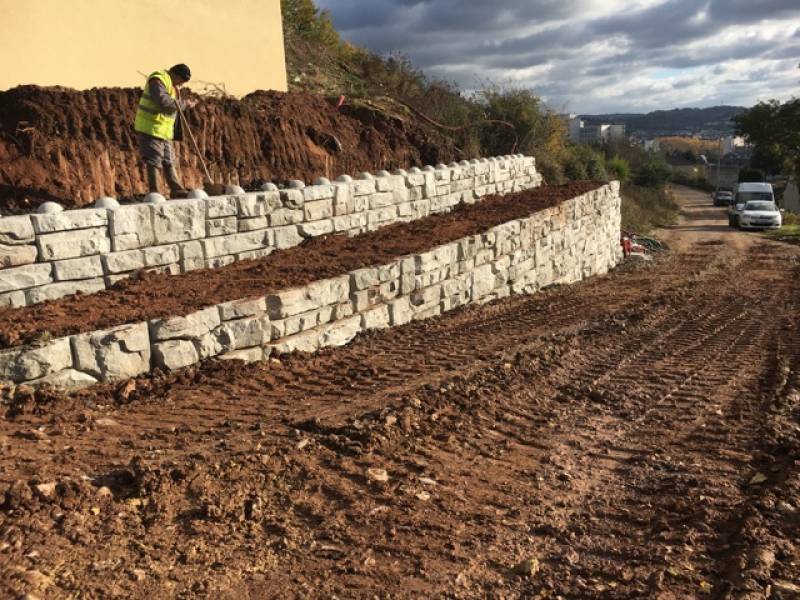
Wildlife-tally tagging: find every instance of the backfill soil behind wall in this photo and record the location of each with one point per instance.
(152, 296)
(75, 146)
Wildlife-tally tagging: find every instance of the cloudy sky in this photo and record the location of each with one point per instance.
(593, 56)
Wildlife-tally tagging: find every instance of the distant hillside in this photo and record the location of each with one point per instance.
(679, 121)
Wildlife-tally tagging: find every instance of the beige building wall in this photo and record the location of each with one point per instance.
(83, 44)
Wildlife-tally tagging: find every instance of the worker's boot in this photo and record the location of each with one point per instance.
(176, 190)
(152, 179)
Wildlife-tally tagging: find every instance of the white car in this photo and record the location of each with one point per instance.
(760, 214)
(748, 192)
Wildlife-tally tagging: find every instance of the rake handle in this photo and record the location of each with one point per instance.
(193, 140)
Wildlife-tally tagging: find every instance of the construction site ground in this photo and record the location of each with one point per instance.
(635, 435)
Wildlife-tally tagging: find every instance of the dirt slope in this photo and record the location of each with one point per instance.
(72, 147)
(633, 436)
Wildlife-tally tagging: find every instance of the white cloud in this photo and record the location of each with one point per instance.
(593, 56)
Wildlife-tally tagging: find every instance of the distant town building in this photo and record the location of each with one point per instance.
(653, 145)
(616, 132)
(731, 143)
(573, 124)
(590, 133)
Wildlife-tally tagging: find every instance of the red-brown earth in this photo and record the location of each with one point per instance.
(75, 146)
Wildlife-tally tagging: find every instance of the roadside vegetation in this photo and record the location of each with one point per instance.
(789, 232)
(499, 119)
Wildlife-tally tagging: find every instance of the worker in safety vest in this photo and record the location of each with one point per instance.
(155, 125)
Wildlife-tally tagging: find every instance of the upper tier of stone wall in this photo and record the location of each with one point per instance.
(47, 256)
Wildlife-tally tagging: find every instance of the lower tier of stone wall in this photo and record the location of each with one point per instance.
(560, 245)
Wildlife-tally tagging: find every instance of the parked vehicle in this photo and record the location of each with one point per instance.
(722, 197)
(747, 192)
(760, 214)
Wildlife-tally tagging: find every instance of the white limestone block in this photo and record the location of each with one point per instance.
(18, 255)
(73, 244)
(53, 291)
(315, 228)
(122, 262)
(78, 268)
(175, 354)
(69, 220)
(235, 243)
(16, 230)
(117, 353)
(191, 326)
(27, 276)
(27, 363)
(179, 220)
(131, 227)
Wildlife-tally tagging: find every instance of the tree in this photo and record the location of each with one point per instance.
(774, 129)
(750, 174)
(304, 19)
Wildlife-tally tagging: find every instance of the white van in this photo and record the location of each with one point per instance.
(746, 192)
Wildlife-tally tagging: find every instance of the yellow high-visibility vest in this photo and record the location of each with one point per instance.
(148, 118)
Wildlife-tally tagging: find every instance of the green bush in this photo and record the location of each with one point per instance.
(550, 168)
(596, 170)
(618, 168)
(574, 169)
(653, 173)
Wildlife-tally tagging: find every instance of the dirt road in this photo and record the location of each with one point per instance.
(636, 435)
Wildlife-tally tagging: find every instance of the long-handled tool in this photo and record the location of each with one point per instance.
(211, 188)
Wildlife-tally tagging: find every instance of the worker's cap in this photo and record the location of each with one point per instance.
(182, 71)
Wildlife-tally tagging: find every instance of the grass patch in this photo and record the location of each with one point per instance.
(647, 208)
(789, 232)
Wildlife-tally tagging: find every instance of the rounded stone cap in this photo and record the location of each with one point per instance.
(464, 163)
(296, 184)
(402, 172)
(428, 168)
(49, 208)
(154, 198)
(441, 166)
(415, 170)
(233, 189)
(344, 178)
(453, 164)
(197, 194)
(322, 181)
(383, 173)
(269, 187)
(366, 175)
(106, 202)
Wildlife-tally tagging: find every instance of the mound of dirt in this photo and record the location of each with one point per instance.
(75, 146)
(153, 295)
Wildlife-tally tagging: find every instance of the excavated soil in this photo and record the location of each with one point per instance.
(75, 146)
(149, 295)
(636, 435)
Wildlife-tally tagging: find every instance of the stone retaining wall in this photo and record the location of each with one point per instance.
(560, 245)
(47, 256)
